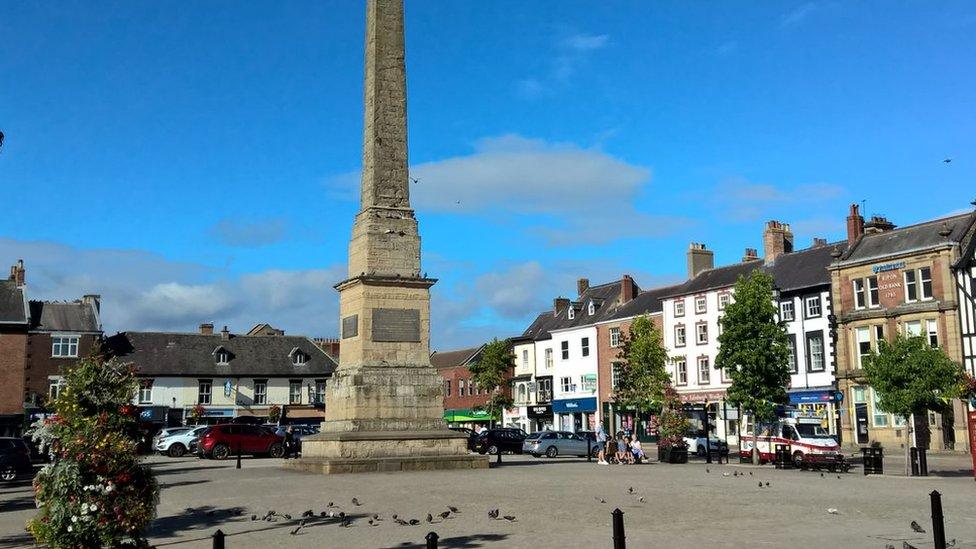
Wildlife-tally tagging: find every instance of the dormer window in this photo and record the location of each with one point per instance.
(222, 356)
(591, 309)
(571, 313)
(298, 357)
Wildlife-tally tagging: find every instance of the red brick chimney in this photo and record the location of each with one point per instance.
(878, 224)
(819, 242)
(628, 289)
(855, 225)
(751, 254)
(17, 273)
(777, 240)
(559, 305)
(582, 285)
(206, 328)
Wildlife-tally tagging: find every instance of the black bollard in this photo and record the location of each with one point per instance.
(913, 459)
(238, 455)
(938, 521)
(589, 451)
(218, 540)
(498, 457)
(923, 463)
(619, 541)
(432, 540)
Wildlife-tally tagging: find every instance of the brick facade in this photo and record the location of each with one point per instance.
(13, 355)
(41, 365)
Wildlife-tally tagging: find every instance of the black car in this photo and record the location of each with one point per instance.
(493, 441)
(15, 459)
(472, 436)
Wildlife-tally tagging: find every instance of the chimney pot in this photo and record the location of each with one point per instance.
(777, 240)
(878, 224)
(699, 259)
(628, 289)
(819, 242)
(94, 300)
(559, 305)
(751, 254)
(225, 333)
(18, 274)
(206, 328)
(855, 225)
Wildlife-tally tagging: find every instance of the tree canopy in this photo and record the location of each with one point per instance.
(642, 375)
(489, 373)
(910, 376)
(754, 349)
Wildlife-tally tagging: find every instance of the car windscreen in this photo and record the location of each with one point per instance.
(812, 430)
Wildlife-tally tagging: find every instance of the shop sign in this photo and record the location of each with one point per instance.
(801, 397)
(574, 405)
(540, 411)
(589, 382)
(702, 396)
(888, 267)
(216, 412)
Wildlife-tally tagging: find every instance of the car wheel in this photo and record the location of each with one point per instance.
(8, 474)
(551, 452)
(276, 450)
(493, 450)
(798, 459)
(220, 451)
(176, 450)
(700, 451)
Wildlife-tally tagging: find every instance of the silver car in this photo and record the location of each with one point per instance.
(555, 443)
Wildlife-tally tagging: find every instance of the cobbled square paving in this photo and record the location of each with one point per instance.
(555, 503)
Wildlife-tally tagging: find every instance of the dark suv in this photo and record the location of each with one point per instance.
(223, 441)
(493, 441)
(15, 459)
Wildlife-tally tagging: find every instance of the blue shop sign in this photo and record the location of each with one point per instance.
(574, 405)
(218, 412)
(888, 267)
(807, 397)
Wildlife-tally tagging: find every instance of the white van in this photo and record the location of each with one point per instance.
(809, 442)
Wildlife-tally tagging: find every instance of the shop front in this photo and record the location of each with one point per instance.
(630, 421)
(540, 418)
(723, 418)
(575, 414)
(467, 417)
(210, 416)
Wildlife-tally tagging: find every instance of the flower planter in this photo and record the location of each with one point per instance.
(672, 454)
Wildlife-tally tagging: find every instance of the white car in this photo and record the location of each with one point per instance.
(177, 444)
(696, 445)
(167, 432)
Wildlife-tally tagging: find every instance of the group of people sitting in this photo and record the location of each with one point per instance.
(623, 450)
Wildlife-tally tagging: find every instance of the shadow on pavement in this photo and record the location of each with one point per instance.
(179, 470)
(17, 504)
(459, 542)
(16, 540)
(183, 483)
(197, 519)
(201, 520)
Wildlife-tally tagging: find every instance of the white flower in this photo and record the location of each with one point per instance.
(108, 488)
(70, 529)
(74, 519)
(93, 508)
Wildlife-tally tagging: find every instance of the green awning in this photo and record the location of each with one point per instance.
(466, 414)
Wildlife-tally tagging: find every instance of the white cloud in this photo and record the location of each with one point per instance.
(243, 233)
(743, 200)
(585, 42)
(797, 14)
(568, 54)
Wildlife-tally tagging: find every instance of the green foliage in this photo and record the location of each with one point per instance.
(94, 493)
(673, 424)
(910, 376)
(642, 375)
(274, 413)
(489, 373)
(754, 349)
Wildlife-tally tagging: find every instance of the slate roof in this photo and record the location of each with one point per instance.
(912, 238)
(161, 354)
(605, 297)
(69, 316)
(13, 303)
(451, 359)
(806, 268)
(648, 302)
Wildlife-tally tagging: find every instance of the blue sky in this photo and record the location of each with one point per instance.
(199, 162)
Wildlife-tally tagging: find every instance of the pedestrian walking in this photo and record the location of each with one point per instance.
(601, 440)
(290, 443)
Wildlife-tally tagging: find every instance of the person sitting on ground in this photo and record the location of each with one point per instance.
(637, 451)
(622, 452)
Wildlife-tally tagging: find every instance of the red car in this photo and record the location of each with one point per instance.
(223, 441)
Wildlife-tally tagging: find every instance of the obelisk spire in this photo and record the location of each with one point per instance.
(385, 179)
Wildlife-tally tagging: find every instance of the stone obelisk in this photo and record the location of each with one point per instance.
(385, 406)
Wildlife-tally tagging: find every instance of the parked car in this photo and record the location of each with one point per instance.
(297, 431)
(14, 459)
(494, 441)
(696, 445)
(178, 443)
(555, 443)
(472, 436)
(222, 441)
(168, 431)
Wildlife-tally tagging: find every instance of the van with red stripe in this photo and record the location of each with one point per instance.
(809, 441)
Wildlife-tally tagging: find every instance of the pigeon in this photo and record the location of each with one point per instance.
(414, 522)
(750, 473)
(760, 484)
(951, 543)
(453, 509)
(331, 504)
(510, 518)
(344, 523)
(356, 502)
(287, 516)
(838, 477)
(254, 517)
(706, 470)
(601, 500)
(767, 483)
(341, 515)
(401, 522)
(906, 545)
(833, 511)
(323, 514)
(308, 513)
(295, 531)
(493, 514)
(641, 499)
(394, 516)
(821, 475)
(726, 474)
(630, 490)
(917, 527)
(430, 518)
(372, 523)
(377, 518)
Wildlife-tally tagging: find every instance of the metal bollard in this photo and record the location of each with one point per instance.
(913, 460)
(238, 455)
(938, 521)
(923, 463)
(432, 540)
(619, 540)
(218, 540)
(498, 457)
(589, 451)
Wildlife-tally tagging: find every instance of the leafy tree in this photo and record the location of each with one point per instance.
(912, 377)
(754, 350)
(642, 376)
(673, 425)
(94, 493)
(489, 373)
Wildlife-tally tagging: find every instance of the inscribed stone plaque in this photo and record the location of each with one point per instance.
(396, 325)
(350, 326)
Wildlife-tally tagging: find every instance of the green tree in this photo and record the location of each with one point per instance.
(754, 350)
(912, 377)
(94, 493)
(642, 375)
(489, 373)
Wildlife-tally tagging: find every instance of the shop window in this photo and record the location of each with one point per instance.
(815, 352)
